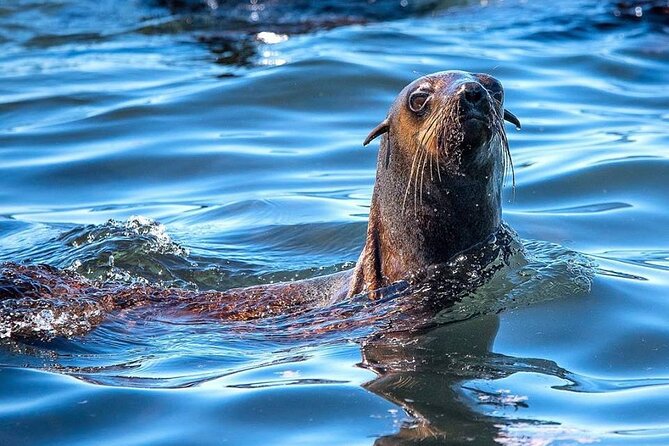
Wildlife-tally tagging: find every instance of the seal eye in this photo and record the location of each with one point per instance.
(418, 100)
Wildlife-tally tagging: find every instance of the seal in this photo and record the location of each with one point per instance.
(440, 169)
(439, 176)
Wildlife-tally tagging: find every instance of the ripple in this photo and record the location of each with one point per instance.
(586, 209)
(249, 155)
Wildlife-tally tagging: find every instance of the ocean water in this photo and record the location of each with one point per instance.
(210, 150)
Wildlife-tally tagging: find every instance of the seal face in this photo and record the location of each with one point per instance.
(439, 175)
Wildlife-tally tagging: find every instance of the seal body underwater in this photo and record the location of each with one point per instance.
(440, 168)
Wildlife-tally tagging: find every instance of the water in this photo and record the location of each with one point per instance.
(226, 161)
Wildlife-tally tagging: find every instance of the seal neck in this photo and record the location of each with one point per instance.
(410, 230)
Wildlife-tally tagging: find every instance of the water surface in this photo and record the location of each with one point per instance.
(225, 165)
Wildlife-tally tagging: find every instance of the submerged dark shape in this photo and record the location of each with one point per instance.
(437, 196)
(278, 12)
(642, 9)
(231, 29)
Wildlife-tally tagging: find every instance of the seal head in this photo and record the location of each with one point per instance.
(439, 177)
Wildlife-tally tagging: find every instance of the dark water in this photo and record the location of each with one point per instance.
(225, 161)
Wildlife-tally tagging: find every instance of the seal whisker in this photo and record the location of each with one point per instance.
(424, 151)
(420, 170)
(438, 135)
(421, 150)
(507, 160)
(432, 138)
(513, 172)
(422, 175)
(438, 131)
(429, 135)
(406, 192)
(431, 168)
(450, 129)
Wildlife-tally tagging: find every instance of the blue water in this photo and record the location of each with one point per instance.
(226, 167)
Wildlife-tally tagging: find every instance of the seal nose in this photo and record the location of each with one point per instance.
(473, 93)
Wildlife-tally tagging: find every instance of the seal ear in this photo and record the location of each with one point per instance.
(379, 130)
(508, 116)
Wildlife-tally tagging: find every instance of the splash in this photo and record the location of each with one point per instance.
(136, 250)
(537, 272)
(141, 229)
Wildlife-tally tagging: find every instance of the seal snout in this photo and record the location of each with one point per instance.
(474, 102)
(473, 93)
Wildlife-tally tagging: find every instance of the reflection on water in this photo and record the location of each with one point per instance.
(251, 170)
